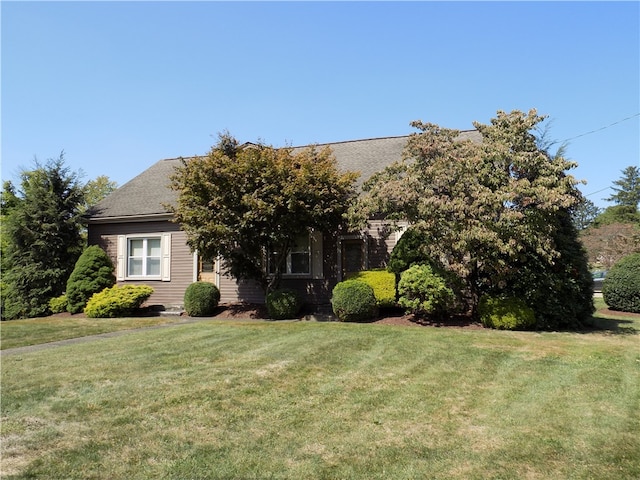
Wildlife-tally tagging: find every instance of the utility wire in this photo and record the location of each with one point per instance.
(602, 128)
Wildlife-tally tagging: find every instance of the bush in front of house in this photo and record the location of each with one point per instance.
(505, 313)
(422, 291)
(354, 301)
(383, 283)
(201, 299)
(58, 304)
(283, 303)
(408, 251)
(93, 272)
(117, 301)
(621, 286)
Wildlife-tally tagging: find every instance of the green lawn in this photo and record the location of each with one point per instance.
(298, 400)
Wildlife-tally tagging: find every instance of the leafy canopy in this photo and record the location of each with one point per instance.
(242, 202)
(482, 205)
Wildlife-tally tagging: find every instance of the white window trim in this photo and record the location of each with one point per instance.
(122, 263)
(316, 265)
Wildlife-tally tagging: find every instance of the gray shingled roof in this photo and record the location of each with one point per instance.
(144, 195)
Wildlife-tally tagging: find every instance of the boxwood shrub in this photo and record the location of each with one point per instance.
(621, 286)
(505, 313)
(422, 291)
(201, 299)
(383, 283)
(283, 303)
(92, 273)
(354, 301)
(117, 301)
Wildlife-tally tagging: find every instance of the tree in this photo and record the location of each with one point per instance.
(249, 204)
(484, 206)
(93, 272)
(584, 214)
(97, 189)
(628, 188)
(617, 214)
(609, 243)
(43, 235)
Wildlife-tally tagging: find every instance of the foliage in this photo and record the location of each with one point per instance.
(505, 313)
(422, 291)
(97, 189)
(92, 273)
(43, 238)
(627, 188)
(201, 299)
(563, 293)
(483, 205)
(353, 301)
(409, 250)
(617, 214)
(621, 286)
(383, 284)
(584, 214)
(609, 243)
(58, 304)
(117, 301)
(240, 202)
(283, 303)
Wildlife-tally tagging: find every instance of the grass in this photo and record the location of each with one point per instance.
(34, 331)
(220, 400)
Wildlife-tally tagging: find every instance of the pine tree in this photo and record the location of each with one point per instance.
(43, 239)
(627, 189)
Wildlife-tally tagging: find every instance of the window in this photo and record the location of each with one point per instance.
(144, 257)
(298, 260)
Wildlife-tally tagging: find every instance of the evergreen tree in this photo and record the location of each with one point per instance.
(627, 188)
(43, 238)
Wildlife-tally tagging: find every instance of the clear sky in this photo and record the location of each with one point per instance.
(121, 85)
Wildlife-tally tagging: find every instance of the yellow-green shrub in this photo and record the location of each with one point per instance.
(505, 313)
(117, 301)
(58, 304)
(383, 284)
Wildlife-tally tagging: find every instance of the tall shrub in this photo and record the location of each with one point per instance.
(621, 286)
(93, 272)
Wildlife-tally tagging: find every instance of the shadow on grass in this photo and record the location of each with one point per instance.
(614, 326)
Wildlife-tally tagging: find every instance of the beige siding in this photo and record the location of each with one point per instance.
(382, 239)
(167, 294)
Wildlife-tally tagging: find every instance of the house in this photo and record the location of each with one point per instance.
(136, 231)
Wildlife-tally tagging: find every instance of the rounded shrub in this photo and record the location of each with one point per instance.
(621, 286)
(422, 291)
(353, 301)
(283, 304)
(201, 299)
(92, 273)
(58, 304)
(117, 301)
(383, 283)
(505, 313)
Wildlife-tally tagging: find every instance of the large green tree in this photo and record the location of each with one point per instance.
(485, 206)
(627, 188)
(249, 204)
(42, 235)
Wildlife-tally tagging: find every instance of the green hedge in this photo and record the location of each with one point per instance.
(505, 313)
(383, 284)
(283, 304)
(354, 301)
(621, 286)
(422, 291)
(201, 299)
(117, 301)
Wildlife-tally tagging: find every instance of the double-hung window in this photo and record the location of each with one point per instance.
(298, 261)
(143, 257)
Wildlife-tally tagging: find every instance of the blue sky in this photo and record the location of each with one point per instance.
(121, 85)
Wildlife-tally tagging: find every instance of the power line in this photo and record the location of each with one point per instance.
(602, 128)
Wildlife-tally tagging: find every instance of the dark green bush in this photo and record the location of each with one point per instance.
(283, 304)
(408, 251)
(58, 304)
(201, 299)
(621, 286)
(422, 291)
(353, 301)
(383, 284)
(505, 313)
(93, 272)
(117, 301)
